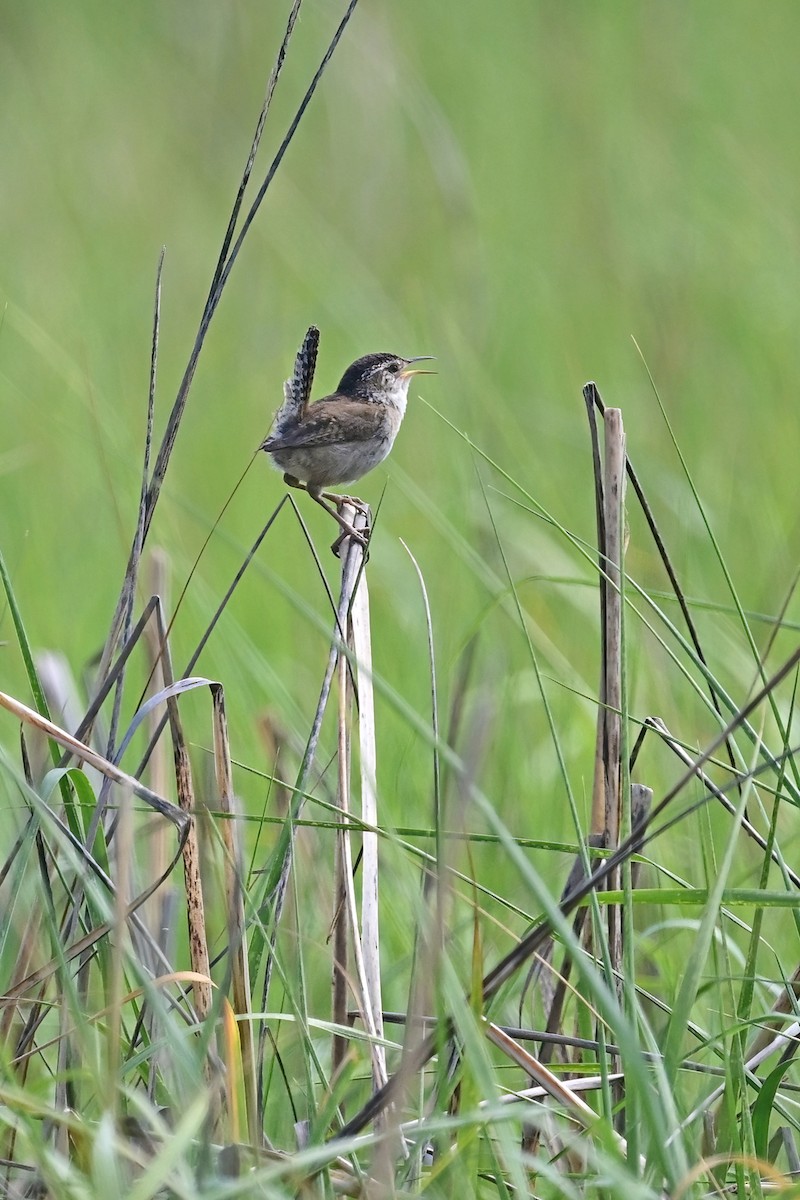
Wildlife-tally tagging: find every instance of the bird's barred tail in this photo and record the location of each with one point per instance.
(297, 390)
(304, 365)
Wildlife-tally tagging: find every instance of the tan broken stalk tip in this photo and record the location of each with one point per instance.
(98, 761)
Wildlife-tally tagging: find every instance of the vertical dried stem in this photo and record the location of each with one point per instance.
(366, 946)
(195, 907)
(234, 896)
(341, 883)
(361, 644)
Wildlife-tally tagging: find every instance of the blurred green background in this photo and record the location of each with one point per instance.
(520, 190)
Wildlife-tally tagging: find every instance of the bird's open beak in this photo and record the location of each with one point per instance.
(408, 371)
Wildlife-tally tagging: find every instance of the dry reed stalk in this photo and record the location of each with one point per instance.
(234, 900)
(366, 949)
(99, 761)
(545, 1079)
(594, 402)
(341, 909)
(608, 801)
(361, 644)
(195, 907)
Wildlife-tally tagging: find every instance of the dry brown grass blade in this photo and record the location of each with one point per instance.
(195, 906)
(577, 1108)
(544, 1078)
(234, 897)
(109, 769)
(598, 785)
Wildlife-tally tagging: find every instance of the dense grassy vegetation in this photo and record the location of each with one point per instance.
(520, 192)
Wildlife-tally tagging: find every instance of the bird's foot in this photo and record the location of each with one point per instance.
(339, 500)
(333, 504)
(361, 536)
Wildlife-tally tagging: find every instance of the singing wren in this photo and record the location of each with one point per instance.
(341, 437)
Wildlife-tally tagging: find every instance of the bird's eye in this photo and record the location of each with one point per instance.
(393, 367)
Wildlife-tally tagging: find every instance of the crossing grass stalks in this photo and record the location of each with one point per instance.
(111, 1066)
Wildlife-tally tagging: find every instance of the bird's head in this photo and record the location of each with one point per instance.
(380, 378)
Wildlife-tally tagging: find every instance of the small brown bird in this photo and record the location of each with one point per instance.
(338, 439)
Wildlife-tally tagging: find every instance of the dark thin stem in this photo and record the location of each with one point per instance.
(129, 586)
(221, 276)
(222, 271)
(284, 146)
(251, 158)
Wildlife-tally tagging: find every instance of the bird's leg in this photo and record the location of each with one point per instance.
(339, 501)
(348, 530)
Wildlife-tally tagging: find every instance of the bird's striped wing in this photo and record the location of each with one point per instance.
(330, 423)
